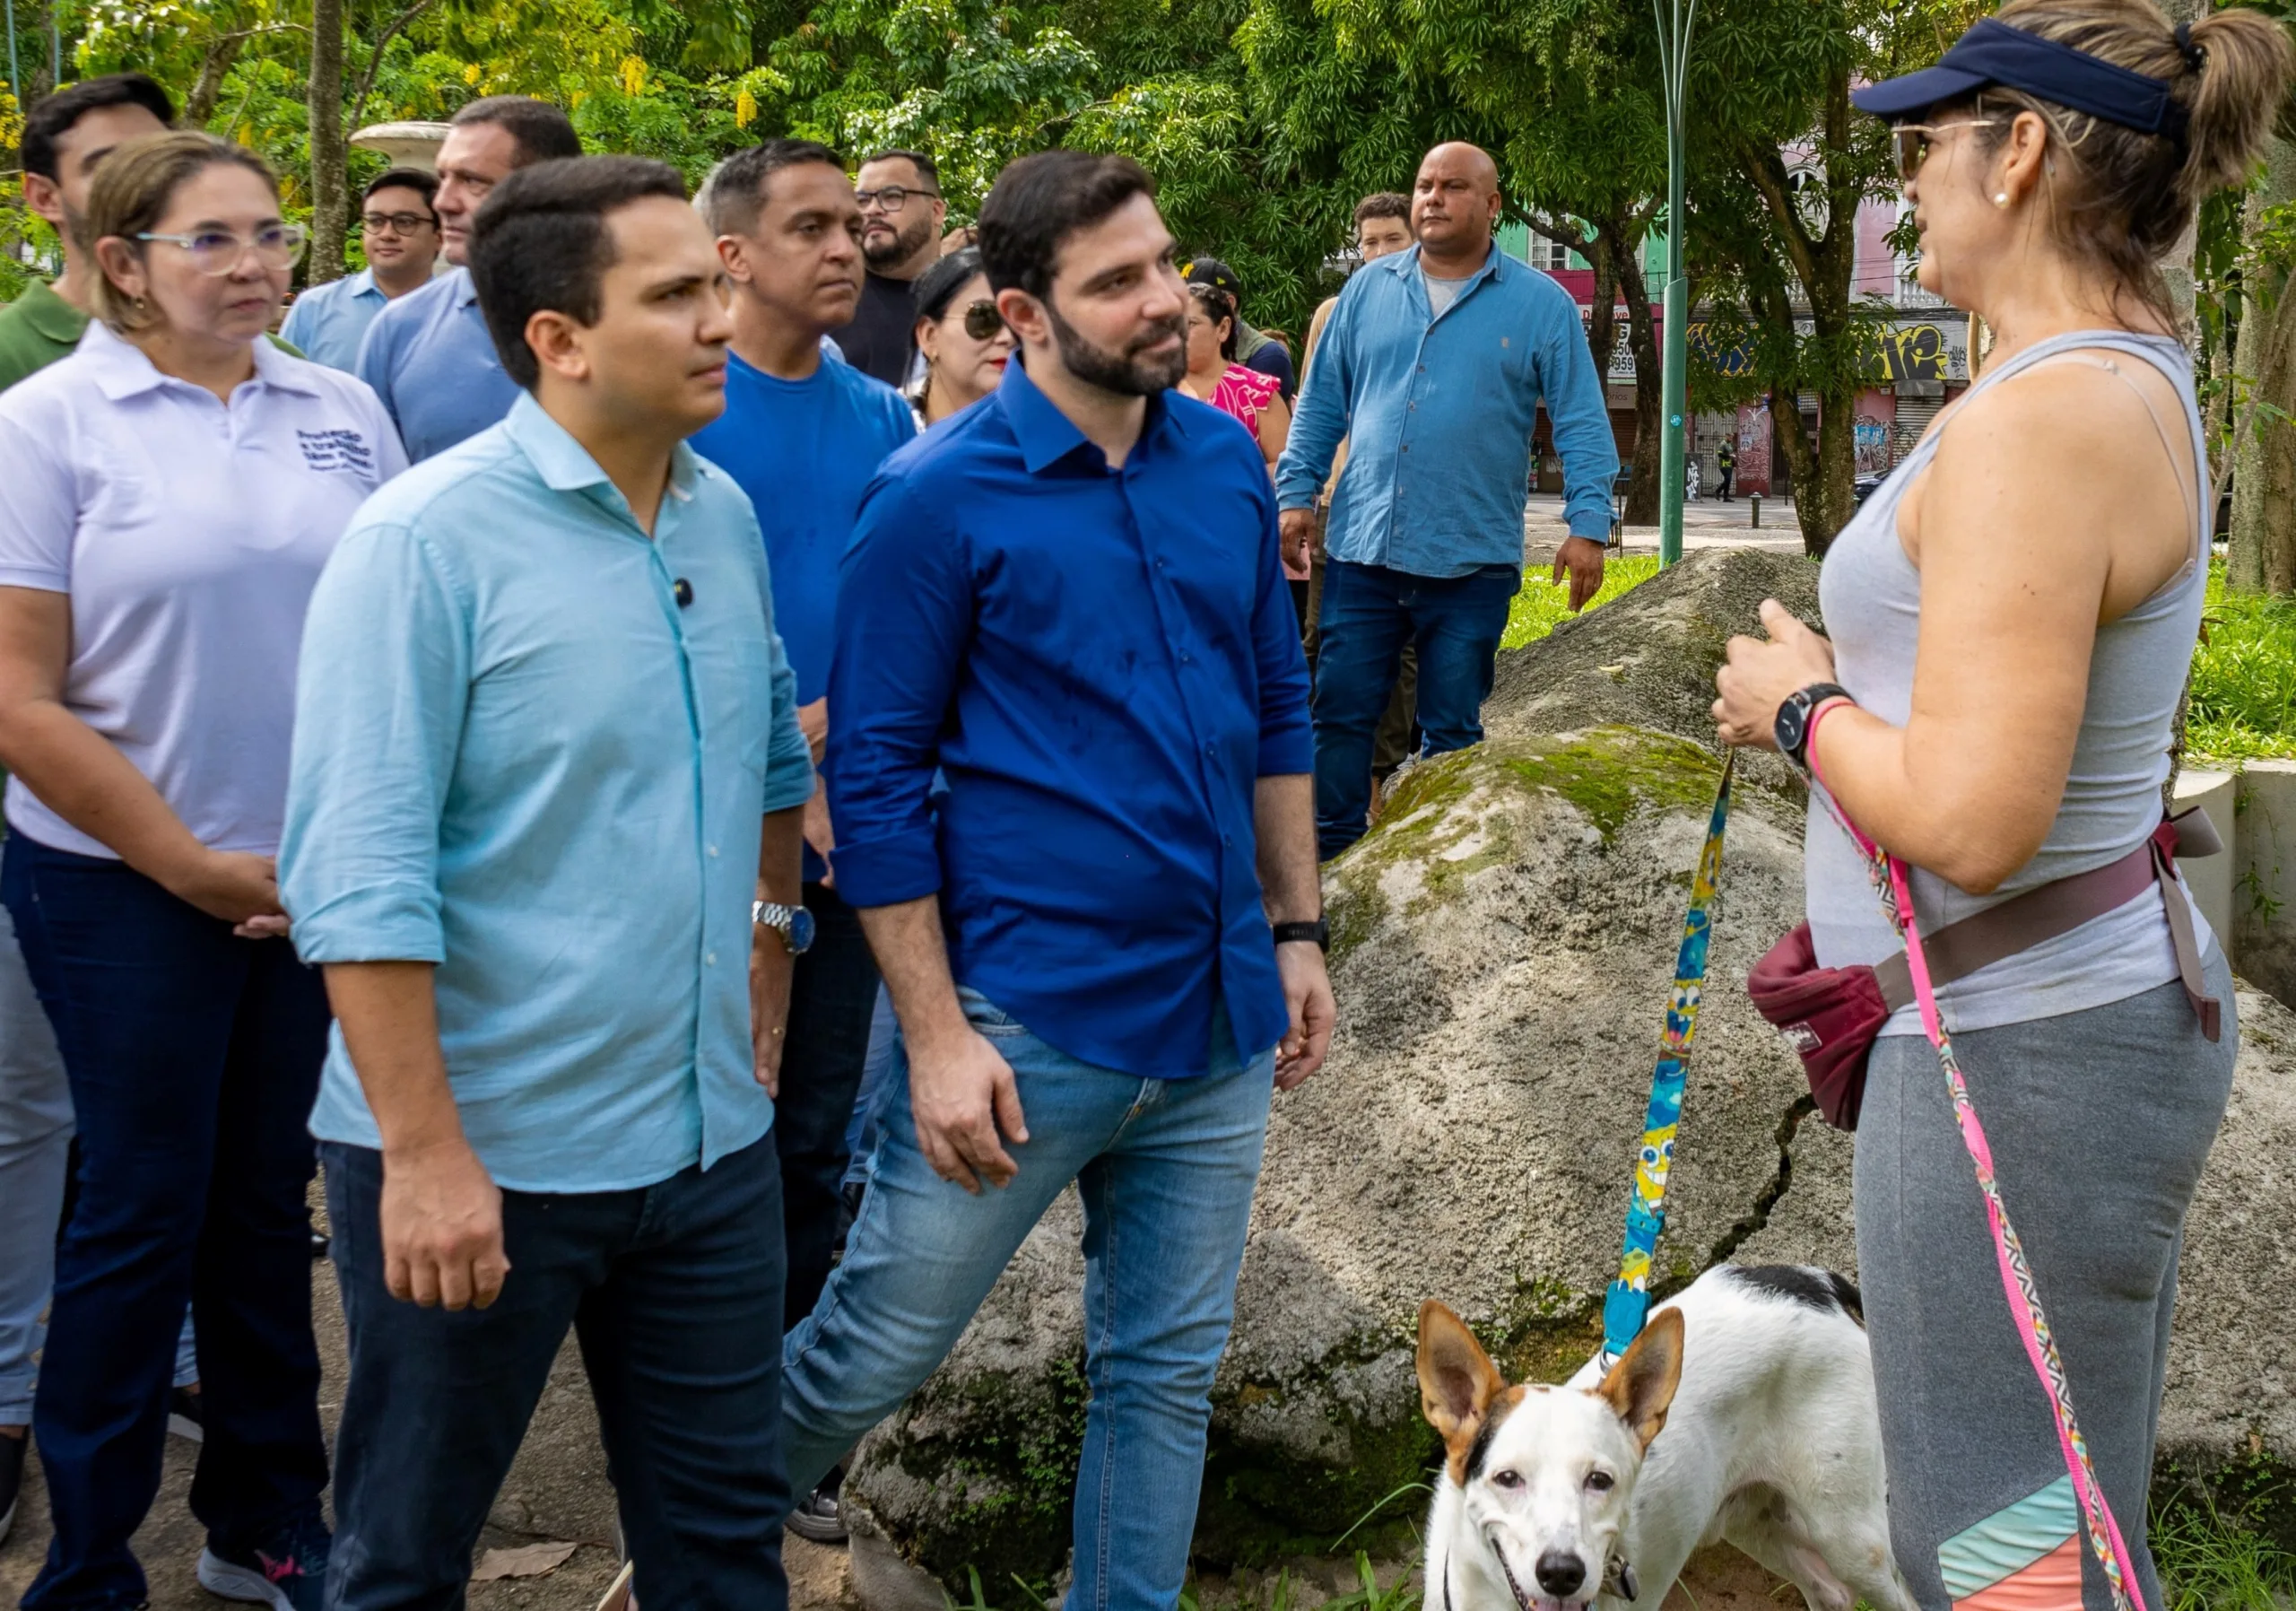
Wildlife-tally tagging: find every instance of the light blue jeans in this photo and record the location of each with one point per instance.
(35, 1147)
(1165, 1169)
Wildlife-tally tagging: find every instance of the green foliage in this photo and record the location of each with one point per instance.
(2243, 699)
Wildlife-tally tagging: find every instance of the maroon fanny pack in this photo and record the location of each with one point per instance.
(1831, 1017)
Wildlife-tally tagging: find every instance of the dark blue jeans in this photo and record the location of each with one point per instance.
(675, 1292)
(1370, 612)
(193, 1058)
(833, 991)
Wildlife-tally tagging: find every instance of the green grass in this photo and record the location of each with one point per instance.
(1542, 604)
(2209, 1561)
(2243, 676)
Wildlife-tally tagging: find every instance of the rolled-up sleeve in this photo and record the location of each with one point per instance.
(904, 617)
(1287, 738)
(380, 703)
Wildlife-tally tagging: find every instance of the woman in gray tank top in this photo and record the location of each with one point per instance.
(2012, 618)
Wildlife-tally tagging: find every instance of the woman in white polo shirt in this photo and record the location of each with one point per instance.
(172, 491)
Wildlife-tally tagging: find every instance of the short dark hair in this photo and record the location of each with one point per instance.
(943, 278)
(540, 130)
(540, 242)
(734, 193)
(925, 166)
(52, 120)
(424, 183)
(1039, 201)
(1382, 204)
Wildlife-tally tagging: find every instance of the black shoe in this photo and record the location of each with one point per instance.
(12, 1480)
(287, 1571)
(818, 1515)
(187, 1415)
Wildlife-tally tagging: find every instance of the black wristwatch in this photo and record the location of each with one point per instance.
(1791, 727)
(1319, 931)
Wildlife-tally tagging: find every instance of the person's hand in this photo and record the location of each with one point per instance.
(1759, 675)
(234, 886)
(812, 721)
(819, 834)
(274, 927)
(1582, 557)
(1307, 993)
(1296, 528)
(967, 1106)
(770, 968)
(442, 1228)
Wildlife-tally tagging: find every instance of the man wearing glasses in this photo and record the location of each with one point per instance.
(400, 234)
(428, 354)
(901, 218)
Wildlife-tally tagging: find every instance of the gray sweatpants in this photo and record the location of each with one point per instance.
(2100, 1124)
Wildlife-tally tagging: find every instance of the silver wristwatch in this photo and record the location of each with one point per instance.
(794, 924)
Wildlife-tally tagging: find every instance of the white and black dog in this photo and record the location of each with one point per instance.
(1553, 1497)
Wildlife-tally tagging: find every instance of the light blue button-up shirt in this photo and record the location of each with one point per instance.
(517, 757)
(431, 361)
(1438, 414)
(327, 322)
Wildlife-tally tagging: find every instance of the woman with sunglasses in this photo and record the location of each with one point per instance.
(2011, 619)
(174, 488)
(960, 336)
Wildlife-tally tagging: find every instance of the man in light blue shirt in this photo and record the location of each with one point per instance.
(399, 233)
(428, 354)
(547, 754)
(1433, 367)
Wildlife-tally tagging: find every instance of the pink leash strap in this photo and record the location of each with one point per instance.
(1895, 888)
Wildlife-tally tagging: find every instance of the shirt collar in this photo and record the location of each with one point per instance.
(122, 370)
(466, 292)
(1046, 436)
(50, 314)
(565, 466)
(1405, 264)
(362, 284)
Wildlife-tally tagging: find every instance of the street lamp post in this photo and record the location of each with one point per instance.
(1675, 19)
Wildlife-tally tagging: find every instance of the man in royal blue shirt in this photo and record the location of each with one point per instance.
(803, 434)
(1067, 601)
(1432, 368)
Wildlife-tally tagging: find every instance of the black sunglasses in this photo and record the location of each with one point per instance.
(982, 321)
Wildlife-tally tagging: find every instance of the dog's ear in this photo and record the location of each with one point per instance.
(1641, 1387)
(1456, 1379)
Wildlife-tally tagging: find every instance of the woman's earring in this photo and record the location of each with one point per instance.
(2001, 198)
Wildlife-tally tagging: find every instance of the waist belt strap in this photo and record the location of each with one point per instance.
(2023, 922)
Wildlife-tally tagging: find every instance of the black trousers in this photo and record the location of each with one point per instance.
(832, 992)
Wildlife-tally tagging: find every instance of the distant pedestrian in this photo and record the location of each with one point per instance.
(175, 487)
(427, 355)
(1082, 566)
(399, 233)
(546, 758)
(1725, 466)
(1433, 367)
(2001, 717)
(803, 434)
(1255, 349)
(901, 217)
(964, 341)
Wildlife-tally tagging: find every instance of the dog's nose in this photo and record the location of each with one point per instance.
(1560, 1574)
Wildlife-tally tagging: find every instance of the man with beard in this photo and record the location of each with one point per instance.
(901, 216)
(1104, 940)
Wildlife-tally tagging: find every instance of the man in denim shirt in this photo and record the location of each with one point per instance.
(546, 754)
(1433, 369)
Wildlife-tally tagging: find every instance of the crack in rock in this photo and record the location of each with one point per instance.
(1758, 1217)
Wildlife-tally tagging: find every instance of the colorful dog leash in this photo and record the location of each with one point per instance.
(1627, 1304)
(1895, 890)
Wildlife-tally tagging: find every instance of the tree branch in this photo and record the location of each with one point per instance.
(1766, 172)
(397, 26)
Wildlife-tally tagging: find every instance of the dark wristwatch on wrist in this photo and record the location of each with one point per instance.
(1319, 931)
(1791, 727)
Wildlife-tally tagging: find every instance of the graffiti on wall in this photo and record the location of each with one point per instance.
(1737, 359)
(1753, 448)
(1873, 447)
(1913, 353)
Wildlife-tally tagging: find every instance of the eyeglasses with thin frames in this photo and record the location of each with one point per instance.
(397, 223)
(218, 252)
(893, 199)
(1915, 139)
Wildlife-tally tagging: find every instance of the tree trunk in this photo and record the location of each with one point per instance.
(208, 87)
(1649, 385)
(330, 174)
(1602, 318)
(2263, 431)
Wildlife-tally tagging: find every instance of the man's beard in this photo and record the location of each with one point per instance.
(1131, 373)
(907, 240)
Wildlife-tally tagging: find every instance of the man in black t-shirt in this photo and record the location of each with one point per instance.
(901, 219)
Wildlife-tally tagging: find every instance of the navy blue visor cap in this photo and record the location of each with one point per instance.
(1992, 52)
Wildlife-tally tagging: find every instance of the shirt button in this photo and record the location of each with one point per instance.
(709, 958)
(1225, 839)
(713, 849)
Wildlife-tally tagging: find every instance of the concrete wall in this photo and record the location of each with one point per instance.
(2264, 877)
